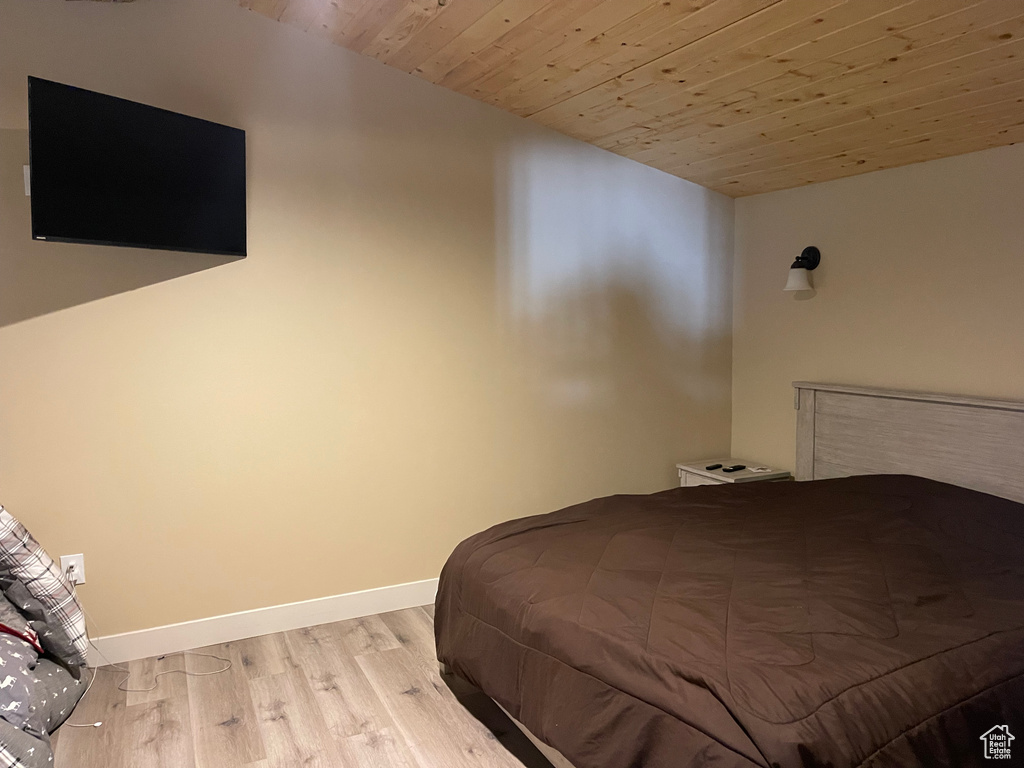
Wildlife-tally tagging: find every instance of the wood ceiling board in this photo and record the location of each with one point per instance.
(872, 93)
(989, 121)
(369, 22)
(883, 160)
(448, 23)
(489, 70)
(717, 47)
(847, 113)
(978, 84)
(912, 129)
(774, 92)
(334, 18)
(1005, 113)
(577, 34)
(301, 13)
(637, 42)
(772, 84)
(480, 35)
(729, 52)
(401, 28)
(865, 71)
(718, 84)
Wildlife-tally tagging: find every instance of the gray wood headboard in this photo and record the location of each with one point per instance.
(969, 441)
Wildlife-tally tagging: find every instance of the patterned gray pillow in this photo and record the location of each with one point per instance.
(55, 643)
(17, 683)
(19, 750)
(36, 586)
(13, 622)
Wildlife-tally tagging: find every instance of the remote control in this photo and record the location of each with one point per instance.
(713, 466)
(735, 468)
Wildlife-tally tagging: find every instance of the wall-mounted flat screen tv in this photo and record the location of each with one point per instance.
(108, 171)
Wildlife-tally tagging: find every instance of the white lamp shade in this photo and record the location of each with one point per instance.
(799, 280)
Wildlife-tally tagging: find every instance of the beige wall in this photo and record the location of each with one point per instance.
(921, 286)
(448, 317)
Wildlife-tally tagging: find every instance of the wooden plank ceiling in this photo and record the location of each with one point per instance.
(742, 96)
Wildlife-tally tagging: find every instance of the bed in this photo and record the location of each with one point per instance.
(868, 618)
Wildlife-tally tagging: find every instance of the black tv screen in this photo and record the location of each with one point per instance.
(109, 171)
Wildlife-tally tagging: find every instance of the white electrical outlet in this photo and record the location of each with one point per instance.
(66, 561)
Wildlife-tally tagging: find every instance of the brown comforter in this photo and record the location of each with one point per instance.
(866, 621)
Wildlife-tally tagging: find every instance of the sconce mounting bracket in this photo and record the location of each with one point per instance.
(809, 258)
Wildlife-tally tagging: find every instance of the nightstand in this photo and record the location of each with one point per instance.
(695, 473)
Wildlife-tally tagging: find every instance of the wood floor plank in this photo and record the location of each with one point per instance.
(414, 630)
(158, 734)
(429, 610)
(224, 725)
(294, 732)
(95, 747)
(376, 749)
(358, 636)
(436, 727)
(354, 694)
(264, 656)
(346, 700)
(144, 675)
(370, 635)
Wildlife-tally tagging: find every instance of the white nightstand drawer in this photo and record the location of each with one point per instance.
(689, 480)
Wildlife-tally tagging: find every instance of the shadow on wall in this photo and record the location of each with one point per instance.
(37, 278)
(615, 286)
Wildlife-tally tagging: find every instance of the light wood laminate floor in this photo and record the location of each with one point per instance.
(362, 693)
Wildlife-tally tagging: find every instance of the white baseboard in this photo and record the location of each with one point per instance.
(116, 649)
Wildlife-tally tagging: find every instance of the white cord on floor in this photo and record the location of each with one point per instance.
(128, 673)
